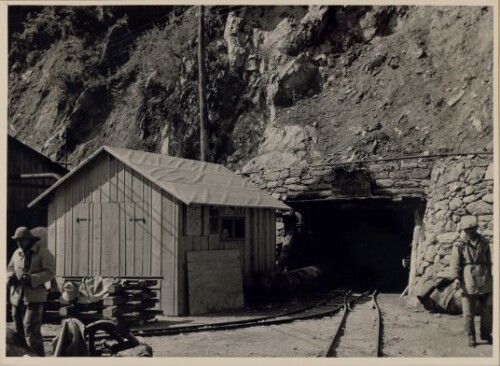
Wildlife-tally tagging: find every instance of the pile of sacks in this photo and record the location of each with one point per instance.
(88, 291)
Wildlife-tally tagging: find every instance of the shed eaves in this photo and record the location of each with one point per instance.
(191, 181)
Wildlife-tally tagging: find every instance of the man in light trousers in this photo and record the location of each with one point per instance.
(471, 270)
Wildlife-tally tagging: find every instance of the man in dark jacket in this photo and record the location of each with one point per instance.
(30, 267)
(471, 270)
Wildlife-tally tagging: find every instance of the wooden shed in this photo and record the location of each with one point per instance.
(29, 173)
(132, 214)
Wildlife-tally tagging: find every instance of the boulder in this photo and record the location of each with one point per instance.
(296, 79)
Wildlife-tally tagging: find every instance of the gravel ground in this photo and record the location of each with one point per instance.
(406, 333)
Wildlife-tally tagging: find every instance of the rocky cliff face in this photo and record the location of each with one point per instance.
(286, 85)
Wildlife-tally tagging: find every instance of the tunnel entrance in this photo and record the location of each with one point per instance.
(364, 240)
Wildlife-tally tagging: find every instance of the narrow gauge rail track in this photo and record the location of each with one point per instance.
(358, 335)
(329, 306)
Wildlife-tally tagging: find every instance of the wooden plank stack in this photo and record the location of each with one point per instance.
(131, 302)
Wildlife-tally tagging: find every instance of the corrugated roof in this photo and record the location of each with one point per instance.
(191, 181)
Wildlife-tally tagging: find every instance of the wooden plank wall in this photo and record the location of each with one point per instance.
(262, 240)
(256, 250)
(20, 160)
(113, 234)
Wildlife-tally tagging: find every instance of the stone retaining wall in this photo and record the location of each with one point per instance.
(460, 186)
(453, 187)
(396, 177)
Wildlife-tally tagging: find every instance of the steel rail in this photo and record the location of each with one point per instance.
(285, 317)
(331, 351)
(378, 330)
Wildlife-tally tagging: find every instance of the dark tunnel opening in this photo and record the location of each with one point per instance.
(364, 240)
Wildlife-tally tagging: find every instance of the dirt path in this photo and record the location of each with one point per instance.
(406, 333)
(417, 333)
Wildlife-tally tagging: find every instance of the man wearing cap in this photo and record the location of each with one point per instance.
(471, 270)
(30, 267)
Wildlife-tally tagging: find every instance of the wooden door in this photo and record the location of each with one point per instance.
(137, 236)
(80, 240)
(110, 236)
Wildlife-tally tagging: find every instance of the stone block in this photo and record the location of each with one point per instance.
(455, 203)
(469, 190)
(309, 181)
(480, 208)
(285, 173)
(441, 205)
(485, 218)
(436, 258)
(406, 183)
(445, 273)
(449, 237)
(398, 174)
(424, 164)
(489, 172)
(469, 199)
(419, 174)
(422, 267)
(297, 188)
(272, 184)
(430, 253)
(488, 198)
(276, 196)
(440, 215)
(475, 175)
(292, 180)
(296, 172)
(453, 173)
(272, 176)
(391, 166)
(281, 189)
(384, 183)
(321, 173)
(482, 161)
(456, 186)
(409, 164)
(381, 175)
(376, 168)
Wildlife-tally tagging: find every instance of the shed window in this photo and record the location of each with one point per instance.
(233, 228)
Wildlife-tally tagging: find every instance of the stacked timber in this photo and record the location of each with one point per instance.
(129, 302)
(52, 307)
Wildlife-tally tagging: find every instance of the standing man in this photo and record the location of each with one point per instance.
(29, 268)
(471, 270)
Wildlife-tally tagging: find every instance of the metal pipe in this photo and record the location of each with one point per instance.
(40, 176)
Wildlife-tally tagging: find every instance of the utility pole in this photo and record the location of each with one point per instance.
(202, 84)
